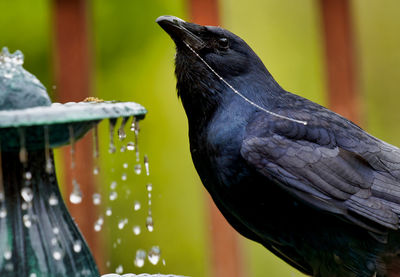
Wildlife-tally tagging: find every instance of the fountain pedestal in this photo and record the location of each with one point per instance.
(38, 236)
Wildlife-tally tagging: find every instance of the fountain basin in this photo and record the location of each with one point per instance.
(82, 116)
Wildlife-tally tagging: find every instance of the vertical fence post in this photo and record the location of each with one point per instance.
(73, 81)
(226, 256)
(339, 52)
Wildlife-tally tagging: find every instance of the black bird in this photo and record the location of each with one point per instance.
(308, 184)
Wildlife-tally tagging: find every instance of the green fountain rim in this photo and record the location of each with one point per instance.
(58, 113)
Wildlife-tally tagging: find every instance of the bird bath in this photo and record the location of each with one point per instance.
(37, 234)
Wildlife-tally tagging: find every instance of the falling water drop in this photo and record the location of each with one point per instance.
(136, 230)
(124, 176)
(56, 231)
(149, 187)
(113, 185)
(163, 262)
(138, 169)
(23, 154)
(77, 246)
(125, 165)
(48, 165)
(108, 211)
(135, 127)
(150, 223)
(27, 194)
(121, 224)
(28, 175)
(7, 254)
(58, 253)
(24, 206)
(98, 224)
(122, 149)
(140, 258)
(53, 200)
(130, 146)
(72, 143)
(96, 153)
(113, 195)
(3, 212)
(96, 199)
(121, 131)
(119, 269)
(146, 165)
(96, 170)
(154, 255)
(27, 220)
(136, 205)
(76, 195)
(111, 148)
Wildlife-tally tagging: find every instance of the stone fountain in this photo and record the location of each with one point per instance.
(37, 234)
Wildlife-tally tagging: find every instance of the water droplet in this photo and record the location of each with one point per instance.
(27, 221)
(108, 264)
(96, 170)
(150, 224)
(122, 223)
(154, 255)
(9, 267)
(77, 246)
(111, 148)
(146, 165)
(76, 195)
(163, 262)
(98, 224)
(96, 199)
(140, 258)
(33, 274)
(121, 131)
(108, 211)
(96, 152)
(149, 187)
(124, 176)
(119, 269)
(7, 254)
(130, 146)
(3, 212)
(27, 194)
(58, 253)
(48, 164)
(119, 240)
(53, 200)
(113, 195)
(24, 206)
(138, 169)
(122, 149)
(56, 231)
(72, 143)
(125, 165)
(136, 205)
(54, 241)
(28, 175)
(136, 230)
(113, 185)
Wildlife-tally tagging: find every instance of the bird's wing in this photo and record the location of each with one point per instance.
(355, 176)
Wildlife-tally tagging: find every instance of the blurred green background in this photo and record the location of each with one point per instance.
(133, 61)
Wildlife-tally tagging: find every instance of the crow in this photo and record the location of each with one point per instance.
(308, 184)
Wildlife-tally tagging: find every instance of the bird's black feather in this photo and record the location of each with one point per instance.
(323, 196)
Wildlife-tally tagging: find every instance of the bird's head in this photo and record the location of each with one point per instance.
(201, 47)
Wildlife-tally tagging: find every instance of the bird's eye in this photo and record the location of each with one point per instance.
(223, 43)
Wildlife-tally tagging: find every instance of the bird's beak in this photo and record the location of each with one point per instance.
(181, 31)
